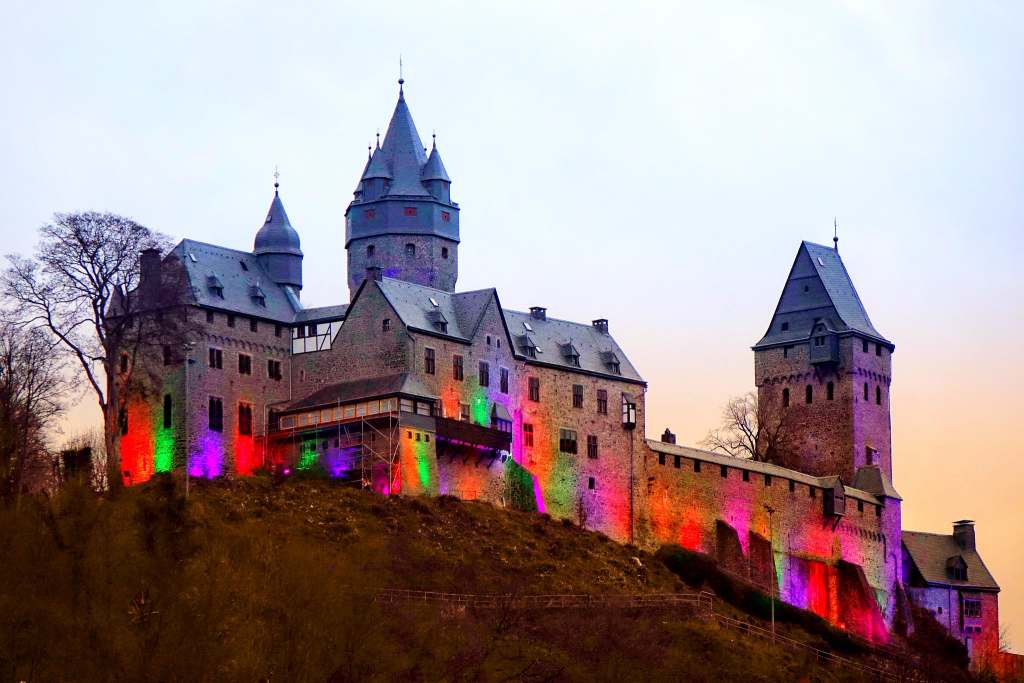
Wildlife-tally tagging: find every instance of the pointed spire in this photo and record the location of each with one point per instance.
(835, 233)
(403, 151)
(277, 236)
(434, 168)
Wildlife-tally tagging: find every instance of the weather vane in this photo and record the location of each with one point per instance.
(276, 176)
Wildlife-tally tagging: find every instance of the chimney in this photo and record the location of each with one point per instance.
(668, 437)
(374, 273)
(601, 325)
(149, 273)
(963, 532)
(538, 312)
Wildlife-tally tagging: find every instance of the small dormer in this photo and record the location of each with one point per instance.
(956, 568)
(438, 320)
(215, 286)
(835, 499)
(824, 344)
(571, 354)
(528, 346)
(257, 295)
(611, 362)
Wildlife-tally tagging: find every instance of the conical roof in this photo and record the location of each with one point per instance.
(434, 170)
(403, 151)
(277, 236)
(377, 167)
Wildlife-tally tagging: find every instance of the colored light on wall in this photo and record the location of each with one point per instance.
(208, 459)
(163, 453)
(246, 459)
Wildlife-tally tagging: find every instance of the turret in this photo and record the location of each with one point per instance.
(277, 246)
(401, 218)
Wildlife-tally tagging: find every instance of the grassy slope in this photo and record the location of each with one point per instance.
(262, 581)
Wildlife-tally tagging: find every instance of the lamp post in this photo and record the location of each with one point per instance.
(771, 559)
(184, 413)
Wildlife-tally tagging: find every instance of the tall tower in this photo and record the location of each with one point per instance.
(402, 219)
(277, 246)
(823, 371)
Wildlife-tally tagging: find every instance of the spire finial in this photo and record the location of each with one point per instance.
(369, 151)
(378, 138)
(401, 77)
(835, 233)
(277, 175)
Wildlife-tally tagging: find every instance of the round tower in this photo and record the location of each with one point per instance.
(277, 246)
(402, 219)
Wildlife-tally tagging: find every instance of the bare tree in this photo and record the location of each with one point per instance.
(33, 383)
(83, 287)
(759, 430)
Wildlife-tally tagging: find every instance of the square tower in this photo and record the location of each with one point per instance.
(823, 371)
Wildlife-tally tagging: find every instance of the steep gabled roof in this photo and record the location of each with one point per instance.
(596, 348)
(237, 272)
(931, 552)
(818, 288)
(415, 306)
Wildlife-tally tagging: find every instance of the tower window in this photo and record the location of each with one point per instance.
(445, 216)
(869, 455)
(785, 398)
(216, 415)
(809, 394)
(370, 213)
(696, 466)
(409, 211)
(370, 249)
(786, 350)
(209, 316)
(878, 349)
(724, 471)
(865, 391)
(878, 395)
(444, 252)
(785, 327)
(231, 320)
(254, 325)
(167, 411)
(410, 249)
(792, 486)
(746, 475)
(864, 342)
(168, 356)
(277, 330)
(830, 391)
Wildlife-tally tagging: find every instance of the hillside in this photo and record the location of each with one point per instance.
(257, 580)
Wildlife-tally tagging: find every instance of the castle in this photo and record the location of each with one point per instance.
(414, 388)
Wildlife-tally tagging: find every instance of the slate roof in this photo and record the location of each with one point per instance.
(832, 298)
(413, 304)
(551, 335)
(871, 478)
(434, 169)
(354, 390)
(403, 152)
(237, 271)
(930, 552)
(321, 313)
(759, 467)
(277, 236)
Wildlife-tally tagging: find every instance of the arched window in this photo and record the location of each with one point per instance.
(370, 249)
(444, 252)
(785, 398)
(865, 391)
(878, 395)
(830, 391)
(809, 393)
(410, 249)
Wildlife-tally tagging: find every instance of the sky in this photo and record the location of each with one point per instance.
(653, 164)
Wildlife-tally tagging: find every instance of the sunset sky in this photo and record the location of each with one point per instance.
(655, 167)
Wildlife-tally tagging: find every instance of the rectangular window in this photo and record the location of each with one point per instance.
(254, 325)
(245, 419)
(724, 472)
(209, 316)
(216, 358)
(792, 486)
(865, 343)
(527, 435)
(428, 360)
(786, 350)
(445, 216)
(661, 458)
(409, 211)
(485, 374)
(457, 367)
(577, 395)
(534, 384)
(696, 466)
(677, 462)
(602, 401)
(274, 369)
(592, 446)
(168, 355)
(231, 320)
(216, 415)
(244, 364)
(464, 412)
(591, 483)
(277, 330)
(167, 411)
(567, 441)
(767, 480)
(972, 608)
(406, 405)
(878, 349)
(385, 324)
(869, 455)
(860, 506)
(746, 475)
(310, 330)
(370, 213)
(812, 492)
(503, 380)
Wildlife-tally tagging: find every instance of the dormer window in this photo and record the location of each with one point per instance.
(440, 322)
(956, 568)
(611, 361)
(215, 286)
(571, 354)
(258, 296)
(529, 346)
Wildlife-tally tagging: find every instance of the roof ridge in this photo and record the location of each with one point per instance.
(210, 244)
(550, 319)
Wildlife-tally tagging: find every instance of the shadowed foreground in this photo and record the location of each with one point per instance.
(256, 580)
